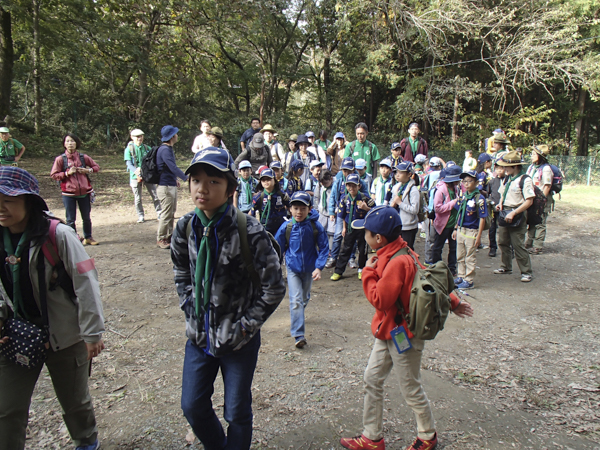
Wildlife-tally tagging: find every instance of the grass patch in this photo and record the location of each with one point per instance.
(580, 197)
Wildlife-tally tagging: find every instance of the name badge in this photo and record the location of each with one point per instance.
(400, 339)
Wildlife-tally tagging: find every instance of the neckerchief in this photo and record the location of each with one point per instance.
(352, 202)
(413, 145)
(4, 147)
(205, 257)
(15, 269)
(402, 189)
(324, 198)
(463, 206)
(510, 180)
(264, 217)
(382, 182)
(248, 189)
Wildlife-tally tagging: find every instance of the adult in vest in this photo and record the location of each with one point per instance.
(413, 145)
(542, 176)
(276, 149)
(246, 138)
(167, 185)
(500, 144)
(257, 153)
(134, 154)
(363, 149)
(335, 153)
(9, 148)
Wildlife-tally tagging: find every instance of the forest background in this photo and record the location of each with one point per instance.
(459, 68)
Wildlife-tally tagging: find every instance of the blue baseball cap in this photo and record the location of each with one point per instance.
(316, 163)
(360, 164)
(309, 134)
(219, 158)
(267, 173)
(15, 181)
(276, 165)
(484, 157)
(167, 132)
(296, 164)
(245, 164)
(386, 162)
(348, 163)
(452, 174)
(353, 178)
(395, 145)
(404, 166)
(379, 220)
(302, 197)
(468, 173)
(339, 135)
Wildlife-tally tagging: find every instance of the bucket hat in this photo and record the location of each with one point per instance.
(452, 174)
(136, 132)
(216, 131)
(15, 181)
(167, 132)
(268, 127)
(258, 140)
(302, 139)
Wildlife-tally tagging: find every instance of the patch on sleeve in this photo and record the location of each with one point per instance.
(86, 266)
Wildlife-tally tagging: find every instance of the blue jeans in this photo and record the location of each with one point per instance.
(85, 207)
(199, 373)
(299, 288)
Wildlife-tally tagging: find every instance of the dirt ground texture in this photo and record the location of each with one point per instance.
(523, 373)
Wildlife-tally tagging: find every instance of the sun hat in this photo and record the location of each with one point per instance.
(395, 145)
(275, 165)
(309, 134)
(542, 150)
(268, 127)
(316, 163)
(360, 164)
(167, 132)
(348, 163)
(404, 166)
(136, 132)
(484, 157)
(452, 174)
(386, 162)
(339, 135)
(15, 181)
(420, 159)
(510, 159)
(218, 158)
(216, 131)
(435, 162)
(468, 173)
(353, 178)
(293, 137)
(302, 197)
(498, 156)
(500, 138)
(245, 164)
(302, 139)
(379, 220)
(258, 140)
(267, 173)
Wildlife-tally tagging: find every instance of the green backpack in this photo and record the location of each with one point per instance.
(288, 233)
(429, 303)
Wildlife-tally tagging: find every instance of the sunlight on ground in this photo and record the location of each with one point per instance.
(585, 197)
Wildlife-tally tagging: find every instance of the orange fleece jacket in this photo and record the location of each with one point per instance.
(387, 282)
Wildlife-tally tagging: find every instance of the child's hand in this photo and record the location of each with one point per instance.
(372, 262)
(454, 236)
(332, 218)
(364, 206)
(316, 275)
(344, 232)
(464, 309)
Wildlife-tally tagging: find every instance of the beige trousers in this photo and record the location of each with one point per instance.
(384, 357)
(465, 253)
(168, 203)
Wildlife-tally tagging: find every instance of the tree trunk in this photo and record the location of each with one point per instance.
(6, 62)
(581, 126)
(455, 120)
(327, 89)
(568, 133)
(247, 97)
(262, 101)
(37, 95)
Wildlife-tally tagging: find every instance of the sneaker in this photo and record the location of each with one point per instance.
(465, 285)
(526, 278)
(458, 280)
(352, 263)
(362, 442)
(360, 274)
(163, 243)
(140, 220)
(330, 263)
(90, 241)
(535, 251)
(94, 446)
(492, 253)
(301, 342)
(502, 271)
(421, 444)
(335, 277)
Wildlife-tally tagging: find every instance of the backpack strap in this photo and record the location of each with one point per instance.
(49, 247)
(242, 222)
(288, 232)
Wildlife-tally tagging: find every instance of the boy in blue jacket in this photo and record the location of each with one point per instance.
(306, 247)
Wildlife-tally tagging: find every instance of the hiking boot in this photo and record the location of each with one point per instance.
(535, 251)
(163, 243)
(421, 444)
(362, 443)
(360, 274)
(140, 220)
(330, 263)
(526, 278)
(94, 446)
(301, 342)
(492, 253)
(458, 280)
(352, 263)
(90, 241)
(502, 271)
(465, 285)
(335, 277)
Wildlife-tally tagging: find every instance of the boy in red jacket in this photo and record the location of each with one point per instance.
(384, 281)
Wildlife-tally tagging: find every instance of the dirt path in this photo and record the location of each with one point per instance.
(524, 373)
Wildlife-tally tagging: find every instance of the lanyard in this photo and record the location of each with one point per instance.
(14, 261)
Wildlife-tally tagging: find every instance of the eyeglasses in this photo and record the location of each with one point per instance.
(467, 181)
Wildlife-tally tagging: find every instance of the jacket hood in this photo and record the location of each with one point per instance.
(313, 215)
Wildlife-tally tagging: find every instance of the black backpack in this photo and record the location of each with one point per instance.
(535, 213)
(150, 172)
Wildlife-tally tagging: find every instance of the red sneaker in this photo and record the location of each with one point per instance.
(420, 444)
(362, 443)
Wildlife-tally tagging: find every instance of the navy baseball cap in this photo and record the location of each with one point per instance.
(379, 220)
(15, 181)
(468, 173)
(348, 163)
(353, 178)
(267, 173)
(167, 132)
(484, 157)
(276, 165)
(339, 135)
(404, 166)
(302, 197)
(395, 145)
(452, 174)
(219, 158)
(296, 164)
